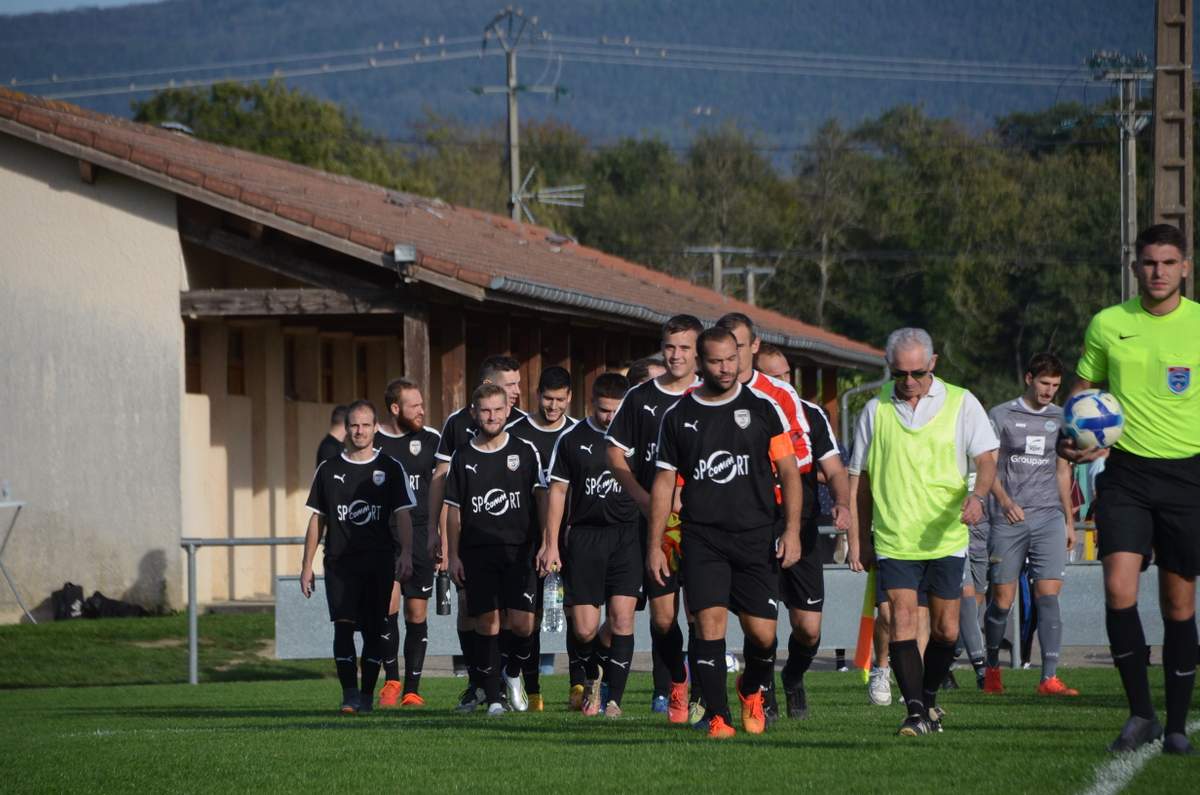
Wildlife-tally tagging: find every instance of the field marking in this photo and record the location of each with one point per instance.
(1116, 774)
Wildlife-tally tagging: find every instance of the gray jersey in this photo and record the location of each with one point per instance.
(1028, 459)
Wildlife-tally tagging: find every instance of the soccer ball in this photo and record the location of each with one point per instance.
(731, 663)
(1093, 418)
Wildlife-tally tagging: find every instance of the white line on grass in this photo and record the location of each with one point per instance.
(1115, 775)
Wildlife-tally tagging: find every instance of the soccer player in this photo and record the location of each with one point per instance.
(911, 449)
(403, 436)
(632, 445)
(603, 556)
(542, 428)
(728, 442)
(1030, 516)
(335, 440)
(359, 503)
(493, 493)
(460, 427)
(644, 369)
(1147, 351)
(802, 586)
(771, 361)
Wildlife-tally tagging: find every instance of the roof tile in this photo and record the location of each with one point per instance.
(32, 118)
(297, 214)
(185, 174)
(332, 227)
(148, 160)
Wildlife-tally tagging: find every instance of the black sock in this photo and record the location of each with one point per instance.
(1127, 642)
(760, 666)
(531, 664)
(466, 644)
(391, 648)
(522, 650)
(616, 669)
(487, 663)
(800, 657)
(574, 664)
(371, 662)
(506, 640)
(907, 666)
(671, 648)
(344, 656)
(587, 655)
(416, 640)
(1179, 670)
(939, 656)
(710, 667)
(697, 694)
(659, 671)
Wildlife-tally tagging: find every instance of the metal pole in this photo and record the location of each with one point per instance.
(718, 286)
(514, 137)
(1128, 185)
(750, 287)
(193, 629)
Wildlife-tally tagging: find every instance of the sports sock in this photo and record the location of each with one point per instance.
(616, 668)
(487, 663)
(531, 663)
(907, 666)
(1049, 631)
(466, 644)
(506, 640)
(760, 666)
(995, 621)
(574, 664)
(519, 654)
(1179, 670)
(710, 666)
(659, 671)
(1127, 642)
(800, 657)
(371, 662)
(697, 689)
(391, 648)
(587, 656)
(416, 639)
(939, 656)
(343, 655)
(969, 633)
(673, 654)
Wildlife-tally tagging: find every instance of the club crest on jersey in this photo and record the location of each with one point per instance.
(414, 447)
(742, 418)
(1179, 379)
(514, 461)
(1051, 426)
(378, 476)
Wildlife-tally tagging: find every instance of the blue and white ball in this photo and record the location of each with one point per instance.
(1093, 418)
(731, 663)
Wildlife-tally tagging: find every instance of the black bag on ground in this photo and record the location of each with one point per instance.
(68, 602)
(100, 606)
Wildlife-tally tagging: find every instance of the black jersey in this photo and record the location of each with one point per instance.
(634, 427)
(493, 491)
(460, 428)
(822, 444)
(541, 438)
(581, 461)
(416, 451)
(724, 452)
(329, 448)
(357, 500)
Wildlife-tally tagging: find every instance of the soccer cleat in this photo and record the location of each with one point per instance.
(575, 698)
(797, 701)
(469, 700)
(677, 703)
(366, 704)
(991, 680)
(753, 719)
(412, 700)
(495, 709)
(613, 710)
(591, 699)
(1177, 743)
(1055, 687)
(949, 683)
(389, 695)
(696, 712)
(535, 702)
(350, 701)
(1135, 733)
(879, 690)
(935, 719)
(915, 726)
(658, 704)
(770, 704)
(718, 729)
(514, 688)
(604, 694)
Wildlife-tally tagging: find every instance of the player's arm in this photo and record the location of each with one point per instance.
(453, 532)
(619, 465)
(556, 505)
(788, 549)
(860, 553)
(1012, 512)
(1090, 373)
(660, 508)
(985, 478)
(838, 480)
(312, 539)
(437, 517)
(1062, 474)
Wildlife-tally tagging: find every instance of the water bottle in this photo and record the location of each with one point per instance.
(443, 593)
(553, 618)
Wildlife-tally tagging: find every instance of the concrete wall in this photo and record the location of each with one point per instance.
(91, 350)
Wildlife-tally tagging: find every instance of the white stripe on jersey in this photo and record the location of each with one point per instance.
(828, 428)
(541, 479)
(412, 498)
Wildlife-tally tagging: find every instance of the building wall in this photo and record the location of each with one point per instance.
(91, 346)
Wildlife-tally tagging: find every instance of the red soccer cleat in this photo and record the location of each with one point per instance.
(991, 680)
(1055, 687)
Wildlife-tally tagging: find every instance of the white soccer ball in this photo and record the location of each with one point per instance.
(731, 663)
(1093, 418)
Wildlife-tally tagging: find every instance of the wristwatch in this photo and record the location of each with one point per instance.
(982, 501)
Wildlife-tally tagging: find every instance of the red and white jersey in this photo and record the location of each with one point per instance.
(785, 395)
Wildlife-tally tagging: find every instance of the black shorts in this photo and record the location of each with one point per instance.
(650, 588)
(802, 585)
(358, 588)
(499, 577)
(1151, 505)
(603, 562)
(736, 570)
(942, 577)
(420, 584)
(881, 595)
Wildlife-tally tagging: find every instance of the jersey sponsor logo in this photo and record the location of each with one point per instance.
(340, 478)
(1020, 424)
(473, 467)
(722, 467)
(694, 425)
(1127, 336)
(471, 432)
(496, 502)
(586, 448)
(742, 418)
(1035, 445)
(1028, 459)
(378, 476)
(1179, 379)
(650, 408)
(514, 461)
(414, 447)
(414, 482)
(651, 451)
(601, 486)
(359, 512)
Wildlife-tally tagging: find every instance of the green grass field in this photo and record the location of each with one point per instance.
(271, 725)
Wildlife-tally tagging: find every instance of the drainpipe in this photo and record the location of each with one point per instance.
(844, 414)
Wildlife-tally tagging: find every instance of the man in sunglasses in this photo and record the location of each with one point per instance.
(911, 450)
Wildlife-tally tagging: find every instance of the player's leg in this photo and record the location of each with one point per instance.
(416, 641)
(1047, 568)
(341, 598)
(709, 572)
(1177, 599)
(487, 653)
(879, 682)
(379, 577)
(802, 588)
(969, 634)
(467, 645)
(666, 641)
(623, 582)
(389, 694)
(1008, 546)
(901, 580)
(518, 592)
(531, 664)
(943, 582)
(482, 568)
(754, 596)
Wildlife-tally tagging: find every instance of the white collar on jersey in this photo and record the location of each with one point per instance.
(370, 460)
(696, 396)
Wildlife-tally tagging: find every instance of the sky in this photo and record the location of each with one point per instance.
(30, 6)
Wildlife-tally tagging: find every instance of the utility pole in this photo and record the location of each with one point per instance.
(1127, 74)
(751, 274)
(718, 263)
(1173, 163)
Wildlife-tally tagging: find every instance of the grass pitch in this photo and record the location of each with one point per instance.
(285, 734)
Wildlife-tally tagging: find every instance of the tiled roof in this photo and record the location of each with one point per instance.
(479, 251)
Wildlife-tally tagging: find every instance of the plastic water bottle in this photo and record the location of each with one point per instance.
(553, 618)
(443, 593)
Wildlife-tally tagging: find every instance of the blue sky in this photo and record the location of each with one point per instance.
(29, 6)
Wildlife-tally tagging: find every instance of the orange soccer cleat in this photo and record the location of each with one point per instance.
(412, 700)
(718, 729)
(677, 704)
(753, 719)
(390, 694)
(1055, 687)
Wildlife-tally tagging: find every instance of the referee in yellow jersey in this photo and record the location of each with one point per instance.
(1147, 351)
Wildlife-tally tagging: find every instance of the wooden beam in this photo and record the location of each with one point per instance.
(1174, 165)
(808, 382)
(88, 171)
(454, 362)
(288, 301)
(416, 350)
(528, 345)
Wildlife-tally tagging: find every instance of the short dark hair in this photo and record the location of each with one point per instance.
(338, 416)
(767, 349)
(731, 320)
(1044, 364)
(391, 393)
(360, 404)
(494, 365)
(639, 370)
(714, 334)
(610, 385)
(554, 378)
(484, 391)
(1161, 235)
(680, 323)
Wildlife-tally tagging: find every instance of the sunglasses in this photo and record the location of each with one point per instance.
(901, 375)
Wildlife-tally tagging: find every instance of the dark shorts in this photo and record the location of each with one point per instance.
(358, 588)
(736, 570)
(802, 586)
(602, 562)
(1151, 506)
(941, 577)
(499, 577)
(420, 584)
(651, 589)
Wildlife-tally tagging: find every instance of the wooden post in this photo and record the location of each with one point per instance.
(345, 368)
(307, 366)
(454, 362)
(1173, 161)
(829, 394)
(808, 382)
(416, 350)
(214, 383)
(264, 387)
(596, 362)
(527, 348)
